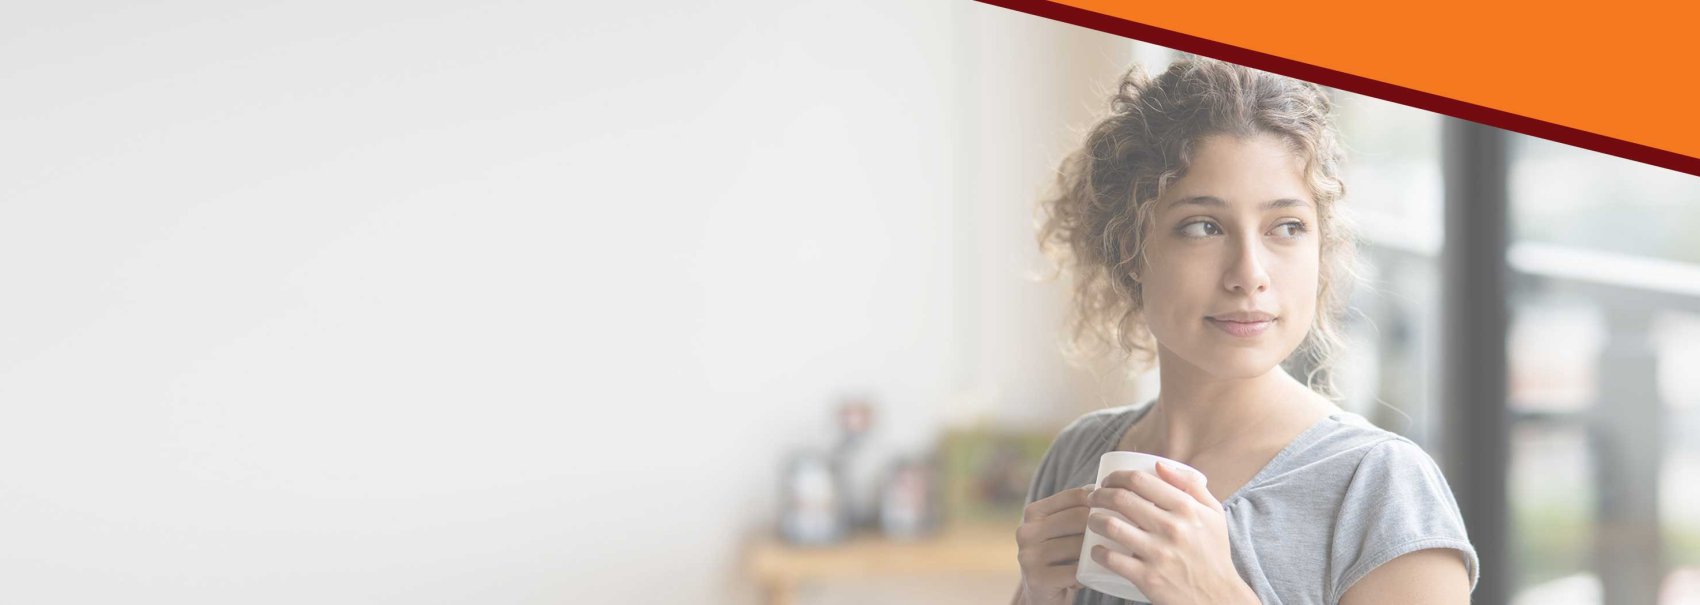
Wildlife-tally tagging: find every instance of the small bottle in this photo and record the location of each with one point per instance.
(813, 501)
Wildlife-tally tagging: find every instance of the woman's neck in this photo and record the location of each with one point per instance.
(1196, 412)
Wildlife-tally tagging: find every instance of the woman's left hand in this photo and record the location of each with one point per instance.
(1179, 538)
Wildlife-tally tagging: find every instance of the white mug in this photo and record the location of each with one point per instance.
(1090, 573)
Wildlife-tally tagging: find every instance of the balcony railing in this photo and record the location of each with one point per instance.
(1625, 422)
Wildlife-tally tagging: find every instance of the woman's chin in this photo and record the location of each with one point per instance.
(1237, 364)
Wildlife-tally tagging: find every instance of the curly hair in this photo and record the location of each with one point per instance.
(1094, 227)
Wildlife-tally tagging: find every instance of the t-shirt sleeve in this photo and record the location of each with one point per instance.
(1396, 503)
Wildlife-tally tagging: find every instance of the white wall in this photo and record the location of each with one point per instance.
(499, 302)
(1029, 90)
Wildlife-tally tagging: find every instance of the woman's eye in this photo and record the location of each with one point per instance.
(1290, 230)
(1200, 229)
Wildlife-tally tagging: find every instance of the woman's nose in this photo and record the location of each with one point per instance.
(1246, 273)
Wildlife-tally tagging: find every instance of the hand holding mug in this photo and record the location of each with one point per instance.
(1172, 534)
(1049, 540)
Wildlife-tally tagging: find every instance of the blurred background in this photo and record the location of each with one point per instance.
(518, 302)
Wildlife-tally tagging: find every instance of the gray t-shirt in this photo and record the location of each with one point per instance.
(1344, 497)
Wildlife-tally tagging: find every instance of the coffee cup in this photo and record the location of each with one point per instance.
(1089, 572)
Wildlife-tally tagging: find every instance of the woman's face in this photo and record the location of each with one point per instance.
(1232, 257)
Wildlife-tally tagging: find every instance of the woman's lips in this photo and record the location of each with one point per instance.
(1242, 329)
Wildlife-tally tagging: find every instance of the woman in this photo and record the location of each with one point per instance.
(1198, 224)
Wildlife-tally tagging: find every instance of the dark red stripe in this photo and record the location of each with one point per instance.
(1358, 84)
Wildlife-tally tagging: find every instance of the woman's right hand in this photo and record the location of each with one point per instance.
(1049, 538)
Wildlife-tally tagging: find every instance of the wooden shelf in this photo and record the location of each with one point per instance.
(781, 567)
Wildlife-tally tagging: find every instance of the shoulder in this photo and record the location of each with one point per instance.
(1347, 441)
(1331, 468)
(1392, 475)
(1393, 461)
(1397, 453)
(1077, 442)
(1396, 501)
(1092, 429)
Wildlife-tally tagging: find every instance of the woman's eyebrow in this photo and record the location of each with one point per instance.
(1216, 202)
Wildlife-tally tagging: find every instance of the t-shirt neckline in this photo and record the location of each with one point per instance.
(1303, 439)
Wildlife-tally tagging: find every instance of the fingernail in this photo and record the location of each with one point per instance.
(1176, 471)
